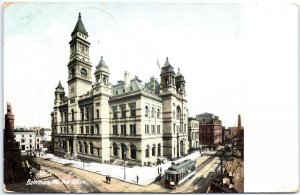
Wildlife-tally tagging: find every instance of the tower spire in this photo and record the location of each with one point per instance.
(79, 26)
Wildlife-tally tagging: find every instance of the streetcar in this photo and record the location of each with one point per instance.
(178, 173)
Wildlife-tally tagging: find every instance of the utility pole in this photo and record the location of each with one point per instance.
(83, 160)
(124, 165)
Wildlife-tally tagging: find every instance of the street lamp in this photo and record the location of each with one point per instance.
(83, 159)
(124, 165)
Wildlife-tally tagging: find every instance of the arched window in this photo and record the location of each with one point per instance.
(158, 150)
(123, 111)
(146, 111)
(132, 111)
(80, 147)
(82, 114)
(152, 112)
(178, 112)
(85, 148)
(147, 151)
(88, 113)
(153, 150)
(73, 72)
(115, 149)
(158, 113)
(83, 73)
(115, 113)
(91, 148)
(123, 151)
(133, 152)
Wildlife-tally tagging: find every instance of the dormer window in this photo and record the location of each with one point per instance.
(146, 111)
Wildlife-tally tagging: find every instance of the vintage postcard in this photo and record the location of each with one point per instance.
(126, 97)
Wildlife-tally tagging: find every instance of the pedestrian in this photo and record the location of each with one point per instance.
(137, 179)
(109, 178)
(106, 178)
(160, 170)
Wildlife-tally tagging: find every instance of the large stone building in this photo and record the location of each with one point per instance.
(131, 120)
(210, 129)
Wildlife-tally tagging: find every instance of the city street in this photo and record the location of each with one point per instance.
(67, 178)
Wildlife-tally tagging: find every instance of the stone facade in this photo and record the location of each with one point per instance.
(133, 121)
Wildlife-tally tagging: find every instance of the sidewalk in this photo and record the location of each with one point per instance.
(146, 174)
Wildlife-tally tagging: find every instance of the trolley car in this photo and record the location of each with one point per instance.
(178, 173)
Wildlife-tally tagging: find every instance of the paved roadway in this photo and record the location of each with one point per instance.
(204, 168)
(74, 180)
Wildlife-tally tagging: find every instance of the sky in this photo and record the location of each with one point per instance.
(203, 40)
(236, 59)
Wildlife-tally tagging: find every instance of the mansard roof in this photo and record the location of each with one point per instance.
(79, 27)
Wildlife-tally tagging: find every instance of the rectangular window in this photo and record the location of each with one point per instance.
(132, 130)
(92, 130)
(23, 147)
(153, 129)
(22, 140)
(97, 129)
(82, 114)
(87, 114)
(81, 129)
(146, 129)
(115, 130)
(158, 129)
(30, 140)
(174, 128)
(123, 111)
(132, 111)
(38, 140)
(87, 130)
(123, 129)
(97, 113)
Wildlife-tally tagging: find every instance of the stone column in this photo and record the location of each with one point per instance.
(75, 147)
(67, 148)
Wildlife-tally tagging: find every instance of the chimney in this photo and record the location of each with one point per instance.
(152, 83)
(239, 123)
(126, 78)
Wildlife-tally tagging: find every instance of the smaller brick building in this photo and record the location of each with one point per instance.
(210, 129)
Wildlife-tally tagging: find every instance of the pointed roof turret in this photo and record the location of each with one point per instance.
(79, 27)
(178, 73)
(101, 63)
(167, 63)
(59, 86)
(167, 67)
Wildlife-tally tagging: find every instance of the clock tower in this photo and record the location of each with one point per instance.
(79, 66)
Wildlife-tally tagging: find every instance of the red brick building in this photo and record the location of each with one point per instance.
(210, 129)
